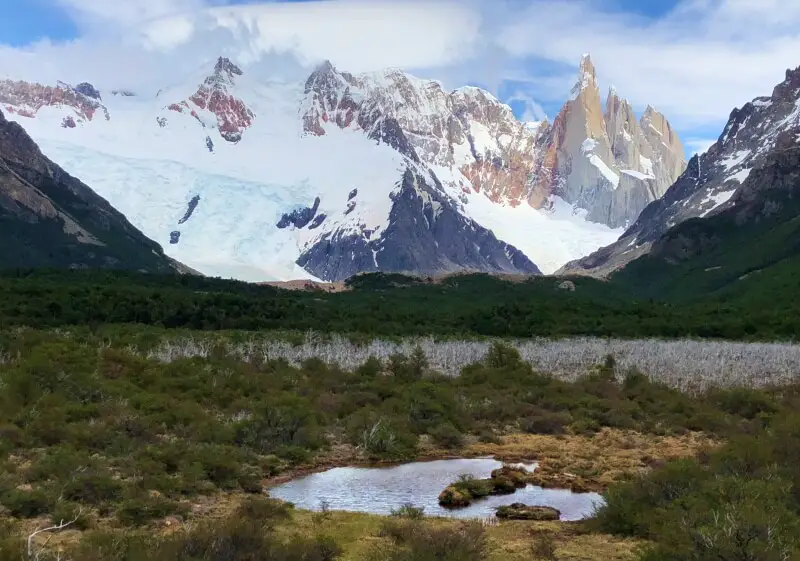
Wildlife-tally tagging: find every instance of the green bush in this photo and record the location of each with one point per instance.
(447, 436)
(27, 504)
(545, 423)
(415, 541)
(141, 511)
(69, 512)
(409, 511)
(92, 488)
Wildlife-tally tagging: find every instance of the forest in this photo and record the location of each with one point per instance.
(475, 305)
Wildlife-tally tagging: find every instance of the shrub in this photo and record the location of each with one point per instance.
(66, 512)
(447, 436)
(266, 511)
(489, 437)
(414, 541)
(409, 511)
(92, 488)
(502, 355)
(140, 511)
(545, 423)
(27, 504)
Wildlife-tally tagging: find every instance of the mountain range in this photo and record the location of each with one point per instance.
(746, 179)
(269, 179)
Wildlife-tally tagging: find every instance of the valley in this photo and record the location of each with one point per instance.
(261, 305)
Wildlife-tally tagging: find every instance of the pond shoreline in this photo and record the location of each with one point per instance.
(576, 462)
(382, 491)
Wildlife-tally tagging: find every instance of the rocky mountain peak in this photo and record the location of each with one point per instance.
(217, 95)
(25, 99)
(587, 71)
(225, 67)
(600, 160)
(789, 88)
(714, 181)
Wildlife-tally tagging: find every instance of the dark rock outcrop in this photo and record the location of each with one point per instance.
(190, 208)
(425, 235)
(88, 90)
(299, 218)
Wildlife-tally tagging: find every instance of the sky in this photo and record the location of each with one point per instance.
(694, 60)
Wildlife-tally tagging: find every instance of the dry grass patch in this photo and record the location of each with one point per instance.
(592, 462)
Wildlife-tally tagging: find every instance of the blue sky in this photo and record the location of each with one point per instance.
(26, 21)
(693, 59)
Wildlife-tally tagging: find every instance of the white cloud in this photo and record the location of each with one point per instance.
(695, 64)
(107, 16)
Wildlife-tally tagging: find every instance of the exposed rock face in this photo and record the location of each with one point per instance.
(426, 235)
(300, 217)
(468, 129)
(88, 90)
(712, 181)
(216, 94)
(605, 161)
(26, 99)
(50, 219)
(190, 208)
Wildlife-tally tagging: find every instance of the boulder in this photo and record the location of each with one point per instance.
(569, 286)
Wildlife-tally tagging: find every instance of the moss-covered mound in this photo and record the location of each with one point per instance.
(520, 511)
(503, 481)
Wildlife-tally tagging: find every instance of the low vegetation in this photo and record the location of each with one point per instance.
(690, 365)
(102, 432)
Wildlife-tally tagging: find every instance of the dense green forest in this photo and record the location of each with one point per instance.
(394, 305)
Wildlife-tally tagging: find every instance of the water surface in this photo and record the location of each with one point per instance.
(379, 490)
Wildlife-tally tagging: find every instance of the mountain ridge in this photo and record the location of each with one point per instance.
(713, 180)
(472, 163)
(49, 218)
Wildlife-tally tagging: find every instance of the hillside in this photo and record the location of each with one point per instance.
(748, 252)
(50, 219)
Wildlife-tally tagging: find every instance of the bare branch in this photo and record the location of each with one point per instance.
(55, 528)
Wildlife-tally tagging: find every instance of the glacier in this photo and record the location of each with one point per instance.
(151, 172)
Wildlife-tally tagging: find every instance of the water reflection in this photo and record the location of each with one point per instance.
(379, 490)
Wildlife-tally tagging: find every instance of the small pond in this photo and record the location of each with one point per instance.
(379, 490)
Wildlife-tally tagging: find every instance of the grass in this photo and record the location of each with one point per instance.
(593, 462)
(360, 536)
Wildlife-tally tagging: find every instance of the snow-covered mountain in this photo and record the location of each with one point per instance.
(713, 181)
(339, 174)
(606, 161)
